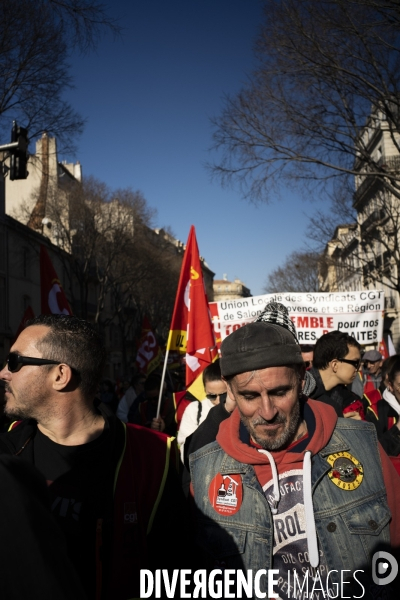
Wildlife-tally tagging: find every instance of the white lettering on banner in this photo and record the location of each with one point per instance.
(358, 313)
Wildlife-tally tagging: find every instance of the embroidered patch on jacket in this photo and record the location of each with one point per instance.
(226, 494)
(347, 472)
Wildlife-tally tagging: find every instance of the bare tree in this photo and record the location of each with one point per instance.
(299, 273)
(101, 231)
(36, 38)
(323, 66)
(119, 269)
(84, 21)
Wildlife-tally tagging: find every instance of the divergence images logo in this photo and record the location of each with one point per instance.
(384, 568)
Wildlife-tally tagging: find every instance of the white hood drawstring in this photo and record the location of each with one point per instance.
(276, 492)
(313, 553)
(308, 505)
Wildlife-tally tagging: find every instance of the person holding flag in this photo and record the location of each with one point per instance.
(191, 332)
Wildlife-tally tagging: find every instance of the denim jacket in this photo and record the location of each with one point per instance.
(351, 524)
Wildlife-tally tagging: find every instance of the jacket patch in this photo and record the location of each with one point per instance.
(226, 494)
(347, 472)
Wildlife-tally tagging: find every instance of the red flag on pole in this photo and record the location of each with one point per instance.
(191, 332)
(54, 300)
(149, 353)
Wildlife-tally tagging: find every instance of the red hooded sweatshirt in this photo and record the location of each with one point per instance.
(289, 460)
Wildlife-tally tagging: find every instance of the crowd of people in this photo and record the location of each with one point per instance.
(285, 464)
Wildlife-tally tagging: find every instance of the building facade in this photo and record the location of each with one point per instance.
(229, 290)
(366, 254)
(147, 278)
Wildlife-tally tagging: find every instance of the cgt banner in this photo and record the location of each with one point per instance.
(358, 313)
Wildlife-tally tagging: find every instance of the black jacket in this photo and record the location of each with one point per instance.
(339, 397)
(204, 434)
(389, 438)
(33, 553)
(170, 522)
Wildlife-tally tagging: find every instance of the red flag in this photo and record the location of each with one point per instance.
(191, 331)
(28, 315)
(54, 300)
(180, 403)
(149, 353)
(383, 349)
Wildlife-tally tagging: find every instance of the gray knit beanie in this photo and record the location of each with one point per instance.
(270, 341)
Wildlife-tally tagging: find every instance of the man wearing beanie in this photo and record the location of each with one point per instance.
(287, 485)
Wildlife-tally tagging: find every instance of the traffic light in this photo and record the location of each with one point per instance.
(19, 155)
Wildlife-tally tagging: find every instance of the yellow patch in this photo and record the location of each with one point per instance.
(347, 472)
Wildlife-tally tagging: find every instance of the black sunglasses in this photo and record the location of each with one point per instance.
(213, 397)
(355, 363)
(15, 361)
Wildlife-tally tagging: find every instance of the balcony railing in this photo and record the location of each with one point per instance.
(373, 220)
(390, 163)
(386, 164)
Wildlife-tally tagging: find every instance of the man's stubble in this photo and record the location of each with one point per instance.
(274, 440)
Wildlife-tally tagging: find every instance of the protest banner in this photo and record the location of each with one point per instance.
(358, 313)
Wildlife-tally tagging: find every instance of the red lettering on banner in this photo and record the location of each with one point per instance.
(313, 322)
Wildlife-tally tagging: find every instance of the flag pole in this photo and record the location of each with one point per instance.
(162, 382)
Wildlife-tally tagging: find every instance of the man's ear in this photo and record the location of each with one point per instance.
(228, 388)
(334, 365)
(62, 376)
(230, 403)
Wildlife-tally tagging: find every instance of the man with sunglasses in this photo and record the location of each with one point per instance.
(110, 485)
(337, 358)
(370, 377)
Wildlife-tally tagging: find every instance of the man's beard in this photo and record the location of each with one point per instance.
(274, 440)
(25, 407)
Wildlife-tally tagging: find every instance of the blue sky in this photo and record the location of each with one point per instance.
(148, 98)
